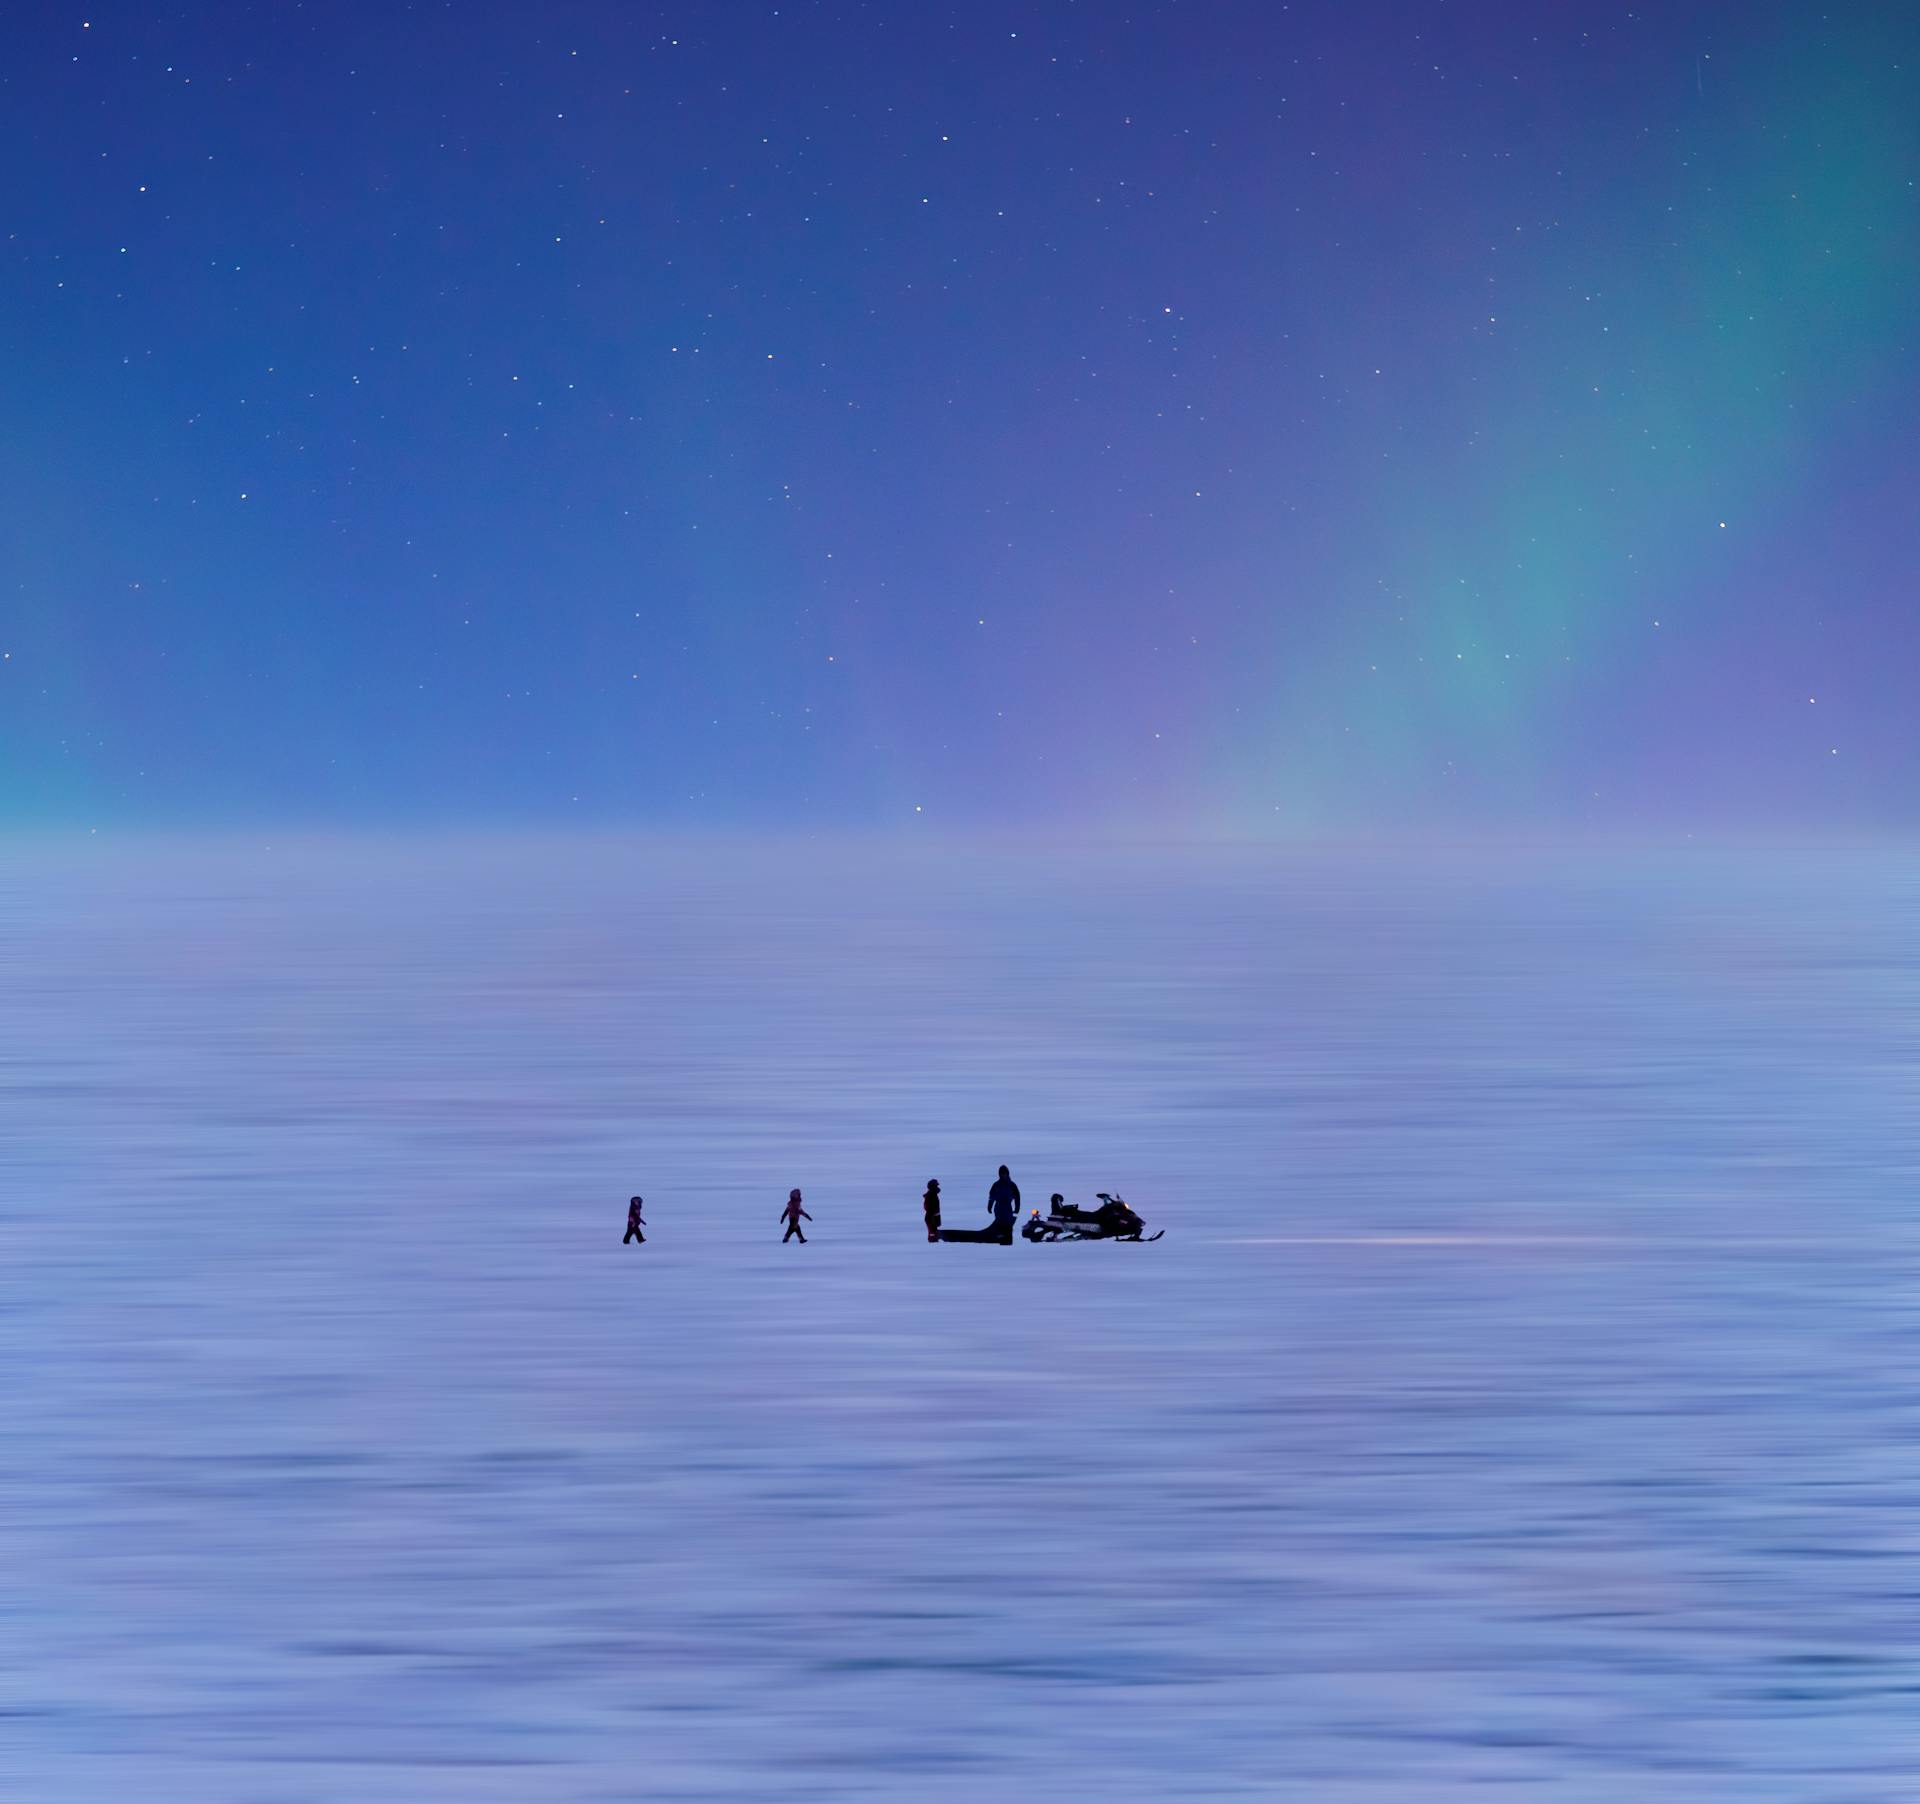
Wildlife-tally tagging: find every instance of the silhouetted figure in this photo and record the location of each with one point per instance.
(794, 1215)
(634, 1224)
(930, 1206)
(1003, 1204)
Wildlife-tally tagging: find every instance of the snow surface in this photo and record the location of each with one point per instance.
(1521, 1403)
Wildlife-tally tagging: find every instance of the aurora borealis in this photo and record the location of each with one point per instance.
(1230, 418)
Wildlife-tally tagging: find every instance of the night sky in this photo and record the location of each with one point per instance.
(1221, 418)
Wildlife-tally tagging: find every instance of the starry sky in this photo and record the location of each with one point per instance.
(1212, 417)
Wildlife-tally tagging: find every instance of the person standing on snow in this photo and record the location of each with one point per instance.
(1003, 1203)
(794, 1215)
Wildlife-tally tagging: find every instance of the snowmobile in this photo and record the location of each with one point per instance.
(1113, 1220)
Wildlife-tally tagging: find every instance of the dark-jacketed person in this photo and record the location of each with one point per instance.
(1003, 1204)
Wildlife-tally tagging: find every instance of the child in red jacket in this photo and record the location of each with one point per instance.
(794, 1215)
